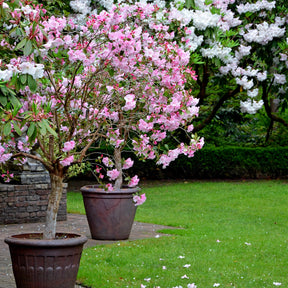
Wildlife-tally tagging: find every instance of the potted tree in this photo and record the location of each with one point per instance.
(117, 81)
(144, 101)
(29, 130)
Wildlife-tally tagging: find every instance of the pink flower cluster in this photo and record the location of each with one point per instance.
(68, 146)
(133, 181)
(113, 174)
(7, 176)
(139, 200)
(67, 161)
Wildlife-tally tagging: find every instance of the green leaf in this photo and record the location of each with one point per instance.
(17, 128)
(34, 107)
(31, 129)
(208, 2)
(189, 4)
(19, 31)
(23, 78)
(15, 102)
(28, 48)
(3, 100)
(47, 107)
(111, 72)
(32, 83)
(50, 130)
(21, 44)
(7, 128)
(43, 129)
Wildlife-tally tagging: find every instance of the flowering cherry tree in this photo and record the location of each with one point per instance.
(117, 80)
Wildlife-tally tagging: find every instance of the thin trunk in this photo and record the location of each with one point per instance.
(269, 131)
(267, 107)
(203, 84)
(53, 206)
(118, 159)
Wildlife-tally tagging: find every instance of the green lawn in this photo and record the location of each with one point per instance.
(234, 234)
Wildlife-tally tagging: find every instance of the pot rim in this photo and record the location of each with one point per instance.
(99, 189)
(23, 240)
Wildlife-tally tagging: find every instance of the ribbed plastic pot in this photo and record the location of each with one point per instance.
(39, 263)
(110, 215)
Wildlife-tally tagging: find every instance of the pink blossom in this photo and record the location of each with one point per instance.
(139, 200)
(128, 163)
(67, 161)
(68, 146)
(113, 174)
(4, 157)
(119, 142)
(7, 177)
(107, 162)
(23, 146)
(133, 181)
(190, 128)
(144, 126)
(130, 102)
(109, 187)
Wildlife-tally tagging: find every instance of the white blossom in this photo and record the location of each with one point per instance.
(204, 19)
(242, 51)
(264, 33)
(6, 75)
(250, 106)
(194, 41)
(106, 3)
(228, 21)
(279, 79)
(254, 7)
(253, 93)
(223, 53)
(245, 82)
(262, 76)
(35, 70)
(184, 16)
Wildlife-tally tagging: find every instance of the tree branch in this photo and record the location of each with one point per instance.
(267, 107)
(216, 108)
(31, 156)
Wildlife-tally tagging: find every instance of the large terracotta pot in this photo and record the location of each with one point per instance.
(110, 215)
(39, 263)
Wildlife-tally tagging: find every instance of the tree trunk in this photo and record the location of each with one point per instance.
(118, 159)
(215, 109)
(269, 131)
(53, 206)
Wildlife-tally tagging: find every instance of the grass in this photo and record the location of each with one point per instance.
(234, 234)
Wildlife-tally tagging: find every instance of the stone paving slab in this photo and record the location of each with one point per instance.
(75, 224)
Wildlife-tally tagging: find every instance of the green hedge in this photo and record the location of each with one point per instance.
(221, 163)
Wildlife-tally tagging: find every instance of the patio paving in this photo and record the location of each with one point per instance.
(75, 223)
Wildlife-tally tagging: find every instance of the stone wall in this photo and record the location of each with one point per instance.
(27, 203)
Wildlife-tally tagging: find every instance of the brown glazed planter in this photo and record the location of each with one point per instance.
(110, 215)
(39, 263)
